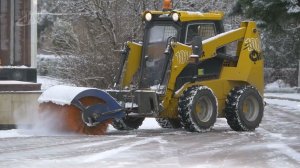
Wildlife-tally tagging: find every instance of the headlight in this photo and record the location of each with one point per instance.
(148, 17)
(175, 17)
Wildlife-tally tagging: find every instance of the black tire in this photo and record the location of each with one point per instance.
(244, 108)
(169, 123)
(189, 109)
(128, 123)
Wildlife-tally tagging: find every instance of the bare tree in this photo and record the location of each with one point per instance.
(88, 42)
(87, 34)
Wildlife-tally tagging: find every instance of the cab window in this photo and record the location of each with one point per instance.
(205, 30)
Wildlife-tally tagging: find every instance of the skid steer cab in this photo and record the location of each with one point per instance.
(183, 75)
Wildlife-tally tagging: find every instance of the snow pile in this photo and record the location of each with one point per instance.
(150, 123)
(279, 86)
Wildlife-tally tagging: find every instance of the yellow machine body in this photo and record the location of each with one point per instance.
(244, 71)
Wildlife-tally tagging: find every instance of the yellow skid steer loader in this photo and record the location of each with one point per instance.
(182, 75)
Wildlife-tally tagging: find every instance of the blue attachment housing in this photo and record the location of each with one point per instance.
(98, 113)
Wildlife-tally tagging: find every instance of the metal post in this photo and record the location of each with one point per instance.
(33, 33)
(298, 75)
(12, 32)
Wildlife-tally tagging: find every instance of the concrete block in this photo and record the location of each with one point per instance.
(18, 108)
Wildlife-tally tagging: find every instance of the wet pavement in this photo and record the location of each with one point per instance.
(276, 143)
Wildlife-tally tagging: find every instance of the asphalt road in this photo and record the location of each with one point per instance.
(276, 143)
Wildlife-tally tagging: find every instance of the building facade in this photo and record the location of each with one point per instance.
(18, 40)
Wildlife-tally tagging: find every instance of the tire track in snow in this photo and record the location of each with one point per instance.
(278, 140)
(280, 146)
(289, 113)
(52, 149)
(112, 152)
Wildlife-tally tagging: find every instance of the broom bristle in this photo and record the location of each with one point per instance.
(70, 117)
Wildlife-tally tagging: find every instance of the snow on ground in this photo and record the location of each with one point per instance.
(290, 101)
(148, 124)
(47, 57)
(15, 67)
(284, 104)
(295, 96)
(48, 82)
(274, 144)
(14, 133)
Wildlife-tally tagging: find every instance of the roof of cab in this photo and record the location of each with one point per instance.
(187, 16)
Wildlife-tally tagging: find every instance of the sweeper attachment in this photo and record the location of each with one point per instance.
(186, 73)
(80, 110)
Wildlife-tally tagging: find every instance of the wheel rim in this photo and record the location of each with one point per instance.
(204, 109)
(251, 108)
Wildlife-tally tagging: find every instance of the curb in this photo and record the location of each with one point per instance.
(281, 98)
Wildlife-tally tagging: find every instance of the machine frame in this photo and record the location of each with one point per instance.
(245, 72)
